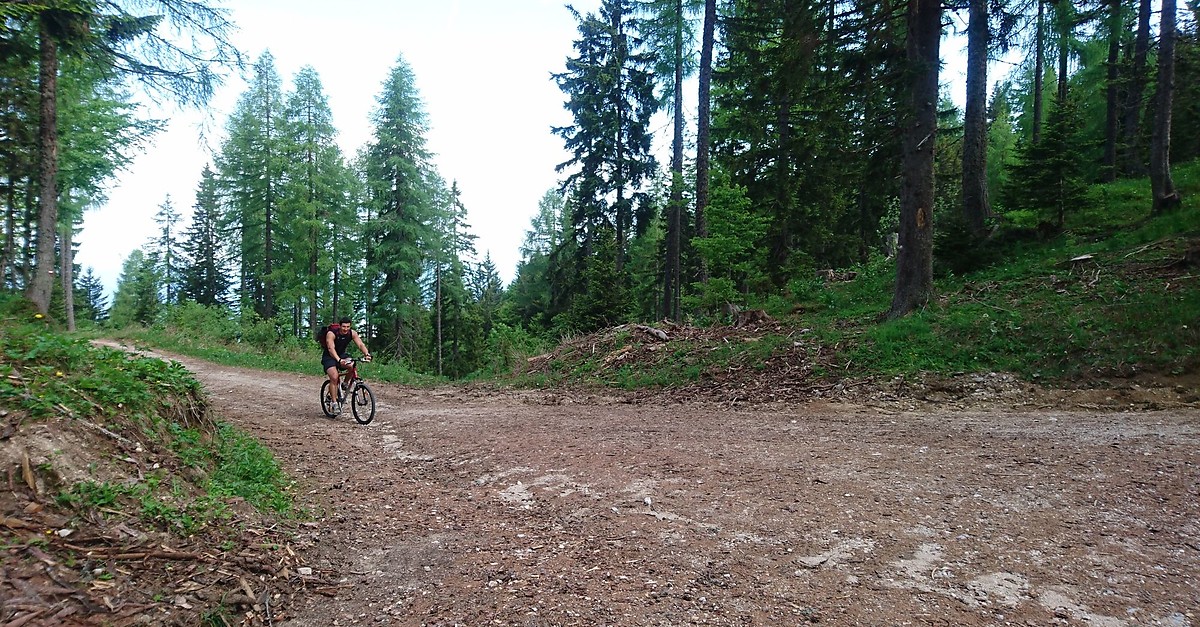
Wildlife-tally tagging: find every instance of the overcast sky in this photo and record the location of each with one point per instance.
(482, 67)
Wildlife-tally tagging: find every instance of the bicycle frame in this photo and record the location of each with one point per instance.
(351, 389)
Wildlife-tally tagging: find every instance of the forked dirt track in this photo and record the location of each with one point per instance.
(458, 507)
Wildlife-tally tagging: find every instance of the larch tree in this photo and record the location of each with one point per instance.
(251, 167)
(165, 252)
(316, 202)
(667, 25)
(125, 36)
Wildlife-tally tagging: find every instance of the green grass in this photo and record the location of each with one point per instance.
(157, 405)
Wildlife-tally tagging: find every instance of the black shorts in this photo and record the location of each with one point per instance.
(327, 362)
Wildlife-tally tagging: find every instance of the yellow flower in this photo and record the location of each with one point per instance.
(58, 374)
(38, 316)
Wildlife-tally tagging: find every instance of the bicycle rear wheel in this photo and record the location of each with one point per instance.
(362, 403)
(327, 400)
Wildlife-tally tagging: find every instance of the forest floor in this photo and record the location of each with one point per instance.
(979, 501)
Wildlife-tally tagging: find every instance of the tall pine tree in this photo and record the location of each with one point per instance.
(610, 93)
(400, 189)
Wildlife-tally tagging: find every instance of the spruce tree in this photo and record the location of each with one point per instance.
(610, 94)
(400, 188)
(206, 277)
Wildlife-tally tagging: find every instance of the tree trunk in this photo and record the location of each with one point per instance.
(703, 124)
(623, 213)
(68, 276)
(268, 280)
(438, 304)
(1112, 96)
(41, 283)
(1039, 71)
(8, 255)
(1165, 195)
(671, 287)
(976, 206)
(1131, 128)
(1064, 52)
(914, 262)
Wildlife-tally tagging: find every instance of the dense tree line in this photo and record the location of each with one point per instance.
(820, 140)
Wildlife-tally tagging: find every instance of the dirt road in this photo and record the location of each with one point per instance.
(535, 508)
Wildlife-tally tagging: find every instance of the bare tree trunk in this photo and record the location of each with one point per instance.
(914, 262)
(671, 287)
(68, 276)
(1165, 195)
(41, 283)
(438, 300)
(1131, 128)
(1039, 71)
(703, 125)
(1064, 51)
(1112, 99)
(8, 253)
(976, 206)
(268, 228)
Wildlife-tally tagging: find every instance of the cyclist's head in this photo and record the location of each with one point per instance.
(345, 325)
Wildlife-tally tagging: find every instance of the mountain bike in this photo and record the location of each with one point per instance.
(354, 390)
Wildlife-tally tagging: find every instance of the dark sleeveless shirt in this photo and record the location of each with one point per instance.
(340, 342)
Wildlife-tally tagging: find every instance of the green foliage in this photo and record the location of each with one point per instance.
(136, 300)
(158, 404)
(1049, 179)
(1113, 295)
(507, 348)
(733, 248)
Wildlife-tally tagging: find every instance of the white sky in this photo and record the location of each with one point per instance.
(482, 67)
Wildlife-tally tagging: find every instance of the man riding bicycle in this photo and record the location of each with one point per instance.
(336, 340)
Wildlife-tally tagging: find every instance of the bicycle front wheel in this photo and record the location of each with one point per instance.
(327, 400)
(362, 403)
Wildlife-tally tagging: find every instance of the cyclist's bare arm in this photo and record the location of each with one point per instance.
(329, 347)
(362, 347)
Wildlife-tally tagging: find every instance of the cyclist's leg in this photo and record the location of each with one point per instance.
(331, 371)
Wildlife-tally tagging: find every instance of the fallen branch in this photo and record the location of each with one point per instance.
(658, 334)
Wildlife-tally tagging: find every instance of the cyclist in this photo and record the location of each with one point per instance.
(334, 357)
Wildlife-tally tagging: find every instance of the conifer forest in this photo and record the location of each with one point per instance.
(802, 137)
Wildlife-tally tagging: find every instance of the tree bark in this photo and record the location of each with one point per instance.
(976, 206)
(68, 276)
(1039, 71)
(1064, 50)
(914, 262)
(703, 125)
(1131, 127)
(1112, 95)
(1163, 188)
(42, 281)
(671, 273)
